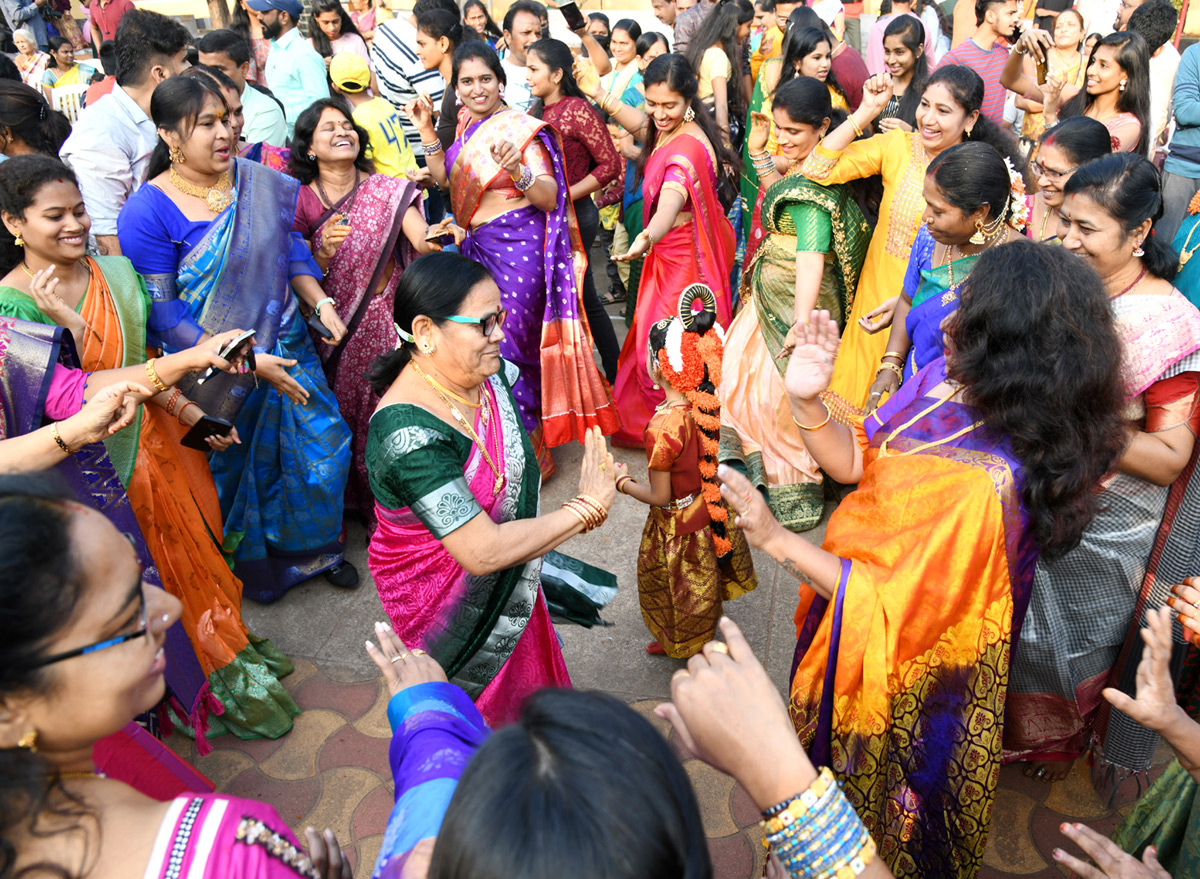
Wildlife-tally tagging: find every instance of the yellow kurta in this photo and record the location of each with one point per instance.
(900, 158)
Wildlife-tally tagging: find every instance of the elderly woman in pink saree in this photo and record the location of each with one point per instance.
(508, 188)
(364, 228)
(457, 554)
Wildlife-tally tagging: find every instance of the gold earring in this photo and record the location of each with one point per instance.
(19, 241)
(428, 350)
(29, 741)
(690, 115)
(978, 238)
(176, 155)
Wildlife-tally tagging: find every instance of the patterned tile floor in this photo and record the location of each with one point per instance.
(331, 771)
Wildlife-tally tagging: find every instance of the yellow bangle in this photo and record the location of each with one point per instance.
(854, 123)
(895, 354)
(893, 367)
(58, 439)
(152, 374)
(828, 415)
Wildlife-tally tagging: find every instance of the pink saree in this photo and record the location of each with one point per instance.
(491, 633)
(362, 279)
(701, 250)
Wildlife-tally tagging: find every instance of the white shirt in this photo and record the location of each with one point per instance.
(1162, 83)
(109, 149)
(264, 118)
(401, 74)
(516, 90)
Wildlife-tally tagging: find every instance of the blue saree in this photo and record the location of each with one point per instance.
(282, 488)
(933, 297)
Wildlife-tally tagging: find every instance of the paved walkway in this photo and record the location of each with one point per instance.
(331, 770)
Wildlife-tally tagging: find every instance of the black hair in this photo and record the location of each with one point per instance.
(535, 9)
(220, 77)
(480, 51)
(647, 40)
(541, 800)
(1132, 58)
(631, 27)
(21, 179)
(40, 594)
(1155, 20)
(8, 68)
(1082, 25)
(175, 105)
(239, 22)
(805, 99)
(321, 42)
(798, 44)
(966, 88)
(556, 56)
(1128, 187)
(25, 113)
(1036, 349)
(719, 28)
(1081, 138)
(56, 43)
(228, 42)
(982, 6)
(676, 73)
(490, 29)
(766, 5)
(434, 285)
(428, 5)
(911, 32)
(144, 39)
(970, 175)
(300, 165)
(438, 23)
(602, 18)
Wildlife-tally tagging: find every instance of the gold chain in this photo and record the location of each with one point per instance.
(1184, 253)
(217, 197)
(458, 416)
(883, 450)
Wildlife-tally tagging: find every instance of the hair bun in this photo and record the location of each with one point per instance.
(698, 308)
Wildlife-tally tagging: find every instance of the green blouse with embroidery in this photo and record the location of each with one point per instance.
(812, 226)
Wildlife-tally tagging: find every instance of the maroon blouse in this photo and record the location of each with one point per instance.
(586, 143)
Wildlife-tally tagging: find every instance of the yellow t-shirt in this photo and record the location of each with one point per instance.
(389, 148)
(714, 64)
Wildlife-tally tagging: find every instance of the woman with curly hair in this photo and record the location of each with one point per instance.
(1088, 606)
(912, 605)
(690, 561)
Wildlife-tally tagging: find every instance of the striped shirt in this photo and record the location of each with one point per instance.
(989, 64)
(400, 72)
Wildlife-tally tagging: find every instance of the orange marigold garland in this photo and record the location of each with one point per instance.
(696, 375)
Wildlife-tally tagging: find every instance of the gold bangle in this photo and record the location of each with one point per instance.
(152, 374)
(621, 482)
(577, 514)
(594, 505)
(58, 439)
(854, 122)
(896, 354)
(828, 415)
(893, 367)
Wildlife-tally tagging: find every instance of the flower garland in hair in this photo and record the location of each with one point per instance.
(1018, 205)
(691, 362)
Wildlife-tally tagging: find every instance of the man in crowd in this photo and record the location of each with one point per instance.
(1123, 12)
(874, 57)
(103, 18)
(1155, 20)
(294, 69)
(1181, 172)
(389, 150)
(228, 52)
(522, 28)
(398, 68)
(986, 51)
(110, 144)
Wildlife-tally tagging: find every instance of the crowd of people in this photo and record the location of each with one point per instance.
(328, 264)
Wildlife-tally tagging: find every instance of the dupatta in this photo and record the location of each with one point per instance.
(375, 212)
(574, 396)
(214, 276)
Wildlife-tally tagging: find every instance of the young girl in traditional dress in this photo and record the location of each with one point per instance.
(692, 558)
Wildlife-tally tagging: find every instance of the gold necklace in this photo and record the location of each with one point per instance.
(1045, 217)
(217, 196)
(1184, 253)
(671, 404)
(458, 416)
(65, 304)
(883, 446)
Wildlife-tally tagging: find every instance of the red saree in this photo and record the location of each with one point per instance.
(697, 251)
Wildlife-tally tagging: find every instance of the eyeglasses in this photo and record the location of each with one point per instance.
(1049, 173)
(487, 325)
(103, 645)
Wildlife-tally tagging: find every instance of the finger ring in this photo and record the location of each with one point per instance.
(417, 651)
(719, 647)
(602, 466)
(1041, 773)
(398, 657)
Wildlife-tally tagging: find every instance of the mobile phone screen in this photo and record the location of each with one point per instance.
(571, 13)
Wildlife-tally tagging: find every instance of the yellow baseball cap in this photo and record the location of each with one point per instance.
(349, 72)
